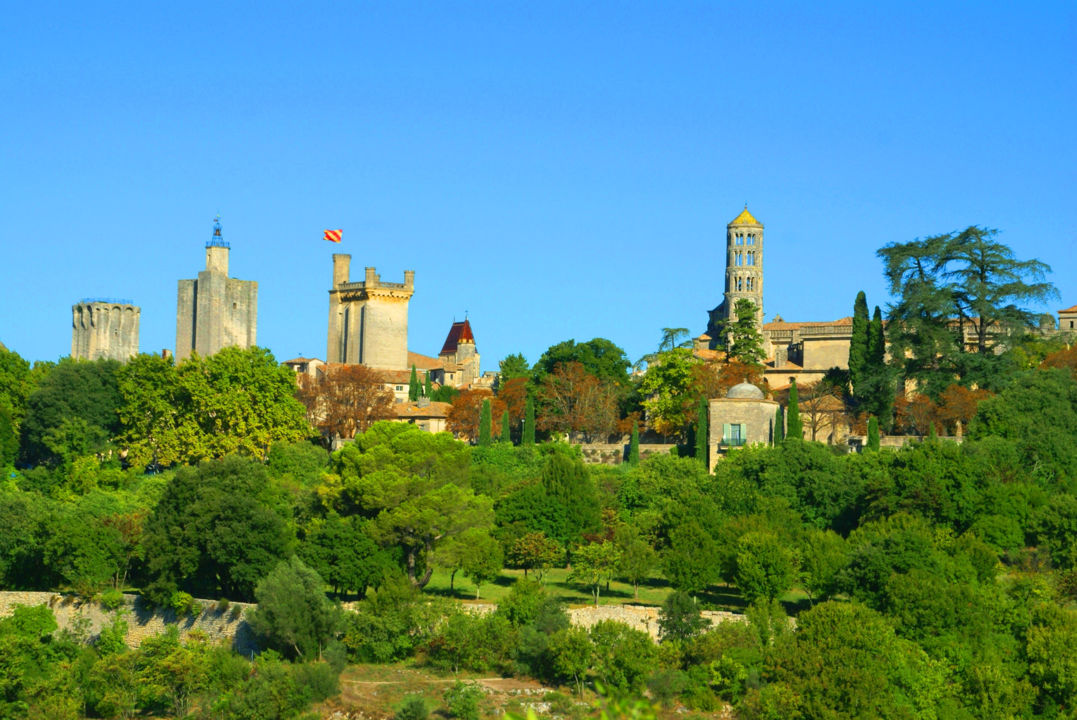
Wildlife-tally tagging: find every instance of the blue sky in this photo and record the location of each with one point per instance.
(556, 170)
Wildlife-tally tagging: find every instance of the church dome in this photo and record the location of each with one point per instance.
(744, 391)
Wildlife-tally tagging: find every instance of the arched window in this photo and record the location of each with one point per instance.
(751, 239)
(738, 257)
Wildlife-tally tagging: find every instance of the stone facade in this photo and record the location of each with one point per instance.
(368, 320)
(215, 311)
(102, 329)
(743, 272)
(742, 417)
(459, 357)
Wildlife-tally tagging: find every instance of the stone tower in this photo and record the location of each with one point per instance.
(743, 270)
(215, 311)
(368, 320)
(459, 351)
(104, 329)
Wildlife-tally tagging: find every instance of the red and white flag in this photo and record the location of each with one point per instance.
(333, 235)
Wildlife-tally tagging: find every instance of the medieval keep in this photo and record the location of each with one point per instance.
(104, 329)
(368, 320)
(215, 311)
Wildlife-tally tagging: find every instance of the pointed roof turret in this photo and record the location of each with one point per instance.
(745, 218)
(460, 332)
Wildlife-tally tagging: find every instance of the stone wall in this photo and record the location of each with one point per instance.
(615, 453)
(230, 625)
(218, 624)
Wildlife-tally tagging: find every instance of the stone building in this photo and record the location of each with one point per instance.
(368, 320)
(215, 311)
(1067, 320)
(743, 417)
(743, 272)
(104, 329)
(459, 357)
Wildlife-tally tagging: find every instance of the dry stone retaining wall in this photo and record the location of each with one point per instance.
(78, 615)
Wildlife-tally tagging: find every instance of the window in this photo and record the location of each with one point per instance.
(734, 434)
(739, 284)
(751, 239)
(739, 239)
(399, 388)
(751, 284)
(738, 258)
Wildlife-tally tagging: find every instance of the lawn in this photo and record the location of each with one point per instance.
(652, 592)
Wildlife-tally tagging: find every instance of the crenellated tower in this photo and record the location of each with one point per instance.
(368, 320)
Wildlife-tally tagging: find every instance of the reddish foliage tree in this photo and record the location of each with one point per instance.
(573, 400)
(466, 408)
(513, 393)
(916, 415)
(958, 404)
(345, 399)
(1065, 359)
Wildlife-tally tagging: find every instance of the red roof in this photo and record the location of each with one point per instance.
(1069, 310)
(423, 362)
(458, 333)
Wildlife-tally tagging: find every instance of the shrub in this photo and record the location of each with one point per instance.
(293, 614)
(111, 599)
(183, 604)
(412, 708)
(222, 605)
(464, 700)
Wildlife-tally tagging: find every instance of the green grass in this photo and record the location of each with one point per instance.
(653, 591)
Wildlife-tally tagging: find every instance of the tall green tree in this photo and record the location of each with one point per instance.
(745, 338)
(83, 394)
(779, 425)
(485, 422)
(959, 295)
(217, 530)
(599, 357)
(633, 445)
(428, 388)
(858, 345)
(513, 366)
(293, 613)
(527, 434)
(414, 388)
(15, 384)
(794, 428)
(702, 443)
(413, 488)
(873, 433)
(506, 428)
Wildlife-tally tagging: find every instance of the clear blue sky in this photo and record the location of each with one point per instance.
(558, 170)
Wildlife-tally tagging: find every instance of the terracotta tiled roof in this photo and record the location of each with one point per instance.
(458, 333)
(428, 410)
(298, 360)
(783, 325)
(398, 377)
(707, 354)
(423, 362)
(1069, 310)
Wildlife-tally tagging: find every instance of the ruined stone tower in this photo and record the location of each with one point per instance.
(104, 329)
(368, 320)
(743, 270)
(215, 311)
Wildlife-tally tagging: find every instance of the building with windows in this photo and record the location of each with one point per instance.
(743, 417)
(368, 319)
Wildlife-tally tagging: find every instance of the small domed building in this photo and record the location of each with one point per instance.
(743, 417)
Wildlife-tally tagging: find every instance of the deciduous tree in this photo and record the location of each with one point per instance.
(345, 400)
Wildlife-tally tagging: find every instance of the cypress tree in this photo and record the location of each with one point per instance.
(413, 385)
(794, 428)
(527, 437)
(858, 346)
(779, 426)
(701, 431)
(428, 389)
(633, 445)
(881, 400)
(506, 432)
(873, 433)
(484, 424)
(932, 436)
